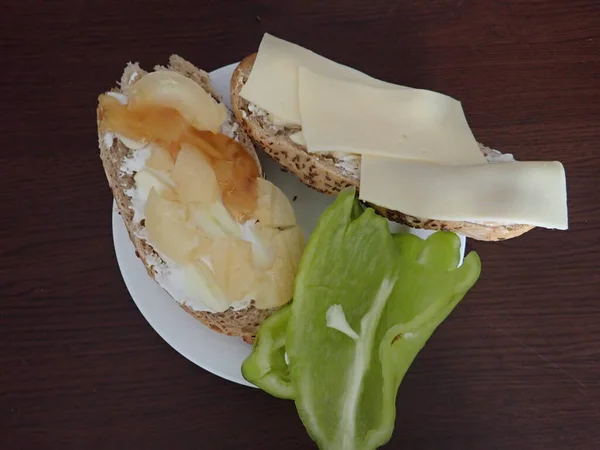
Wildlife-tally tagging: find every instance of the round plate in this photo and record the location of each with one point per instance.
(219, 354)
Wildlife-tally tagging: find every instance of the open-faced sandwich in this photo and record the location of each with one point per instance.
(217, 236)
(338, 323)
(410, 152)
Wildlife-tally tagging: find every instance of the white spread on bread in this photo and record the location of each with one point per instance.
(349, 164)
(172, 279)
(264, 116)
(137, 160)
(230, 128)
(108, 139)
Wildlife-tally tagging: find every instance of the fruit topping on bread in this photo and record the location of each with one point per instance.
(219, 238)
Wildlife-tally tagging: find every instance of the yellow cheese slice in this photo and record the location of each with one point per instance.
(273, 81)
(529, 192)
(398, 123)
(344, 110)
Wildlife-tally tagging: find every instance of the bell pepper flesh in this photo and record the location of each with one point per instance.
(394, 291)
(266, 367)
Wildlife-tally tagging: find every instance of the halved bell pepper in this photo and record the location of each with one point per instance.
(393, 292)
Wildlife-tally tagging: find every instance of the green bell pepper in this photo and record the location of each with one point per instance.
(266, 367)
(365, 303)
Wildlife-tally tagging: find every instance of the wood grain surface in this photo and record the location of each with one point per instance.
(516, 366)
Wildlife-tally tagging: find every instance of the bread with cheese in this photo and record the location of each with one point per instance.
(113, 152)
(329, 174)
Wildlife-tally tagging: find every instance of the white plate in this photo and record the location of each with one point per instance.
(219, 354)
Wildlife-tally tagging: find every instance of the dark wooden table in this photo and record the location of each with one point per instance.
(516, 366)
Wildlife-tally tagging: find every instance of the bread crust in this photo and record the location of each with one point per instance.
(325, 174)
(243, 323)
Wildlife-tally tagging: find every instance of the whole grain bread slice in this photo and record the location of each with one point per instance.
(330, 174)
(113, 152)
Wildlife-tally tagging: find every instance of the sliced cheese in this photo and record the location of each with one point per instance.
(273, 81)
(530, 192)
(398, 123)
(342, 109)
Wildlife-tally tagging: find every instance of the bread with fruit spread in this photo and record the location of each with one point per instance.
(218, 237)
